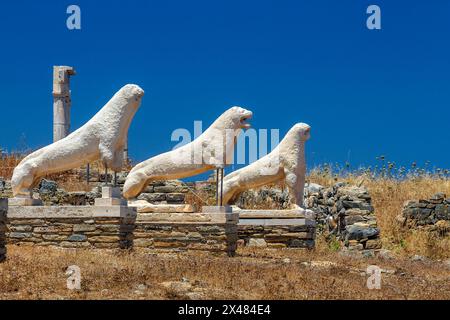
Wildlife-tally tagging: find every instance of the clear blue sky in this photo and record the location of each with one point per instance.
(364, 92)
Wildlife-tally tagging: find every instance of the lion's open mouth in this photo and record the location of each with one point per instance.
(244, 118)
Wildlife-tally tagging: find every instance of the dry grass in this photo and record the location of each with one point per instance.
(39, 273)
(8, 163)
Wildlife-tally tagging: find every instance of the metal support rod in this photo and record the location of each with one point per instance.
(88, 173)
(115, 178)
(221, 186)
(106, 174)
(217, 186)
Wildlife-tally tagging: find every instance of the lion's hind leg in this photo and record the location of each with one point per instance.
(295, 187)
(135, 184)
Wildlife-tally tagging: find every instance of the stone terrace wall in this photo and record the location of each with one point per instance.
(120, 227)
(215, 232)
(3, 211)
(432, 214)
(276, 229)
(70, 227)
(342, 210)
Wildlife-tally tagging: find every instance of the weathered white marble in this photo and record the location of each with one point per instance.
(281, 214)
(182, 218)
(144, 206)
(111, 196)
(285, 163)
(213, 148)
(51, 212)
(24, 201)
(101, 138)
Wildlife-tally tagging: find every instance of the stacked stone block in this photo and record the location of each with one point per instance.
(119, 227)
(70, 227)
(431, 214)
(345, 212)
(213, 232)
(276, 229)
(3, 228)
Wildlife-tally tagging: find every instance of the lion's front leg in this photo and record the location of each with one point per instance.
(107, 155)
(23, 180)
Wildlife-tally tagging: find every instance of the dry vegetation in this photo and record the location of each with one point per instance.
(72, 180)
(39, 273)
(388, 196)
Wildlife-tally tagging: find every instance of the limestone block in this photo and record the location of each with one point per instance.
(373, 244)
(110, 192)
(36, 213)
(143, 242)
(146, 207)
(24, 201)
(68, 244)
(254, 242)
(114, 211)
(277, 222)
(105, 202)
(270, 214)
(217, 209)
(84, 228)
(104, 239)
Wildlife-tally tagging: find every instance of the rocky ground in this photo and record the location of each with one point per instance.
(40, 273)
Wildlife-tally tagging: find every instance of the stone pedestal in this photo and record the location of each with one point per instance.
(72, 226)
(3, 211)
(111, 196)
(24, 201)
(215, 232)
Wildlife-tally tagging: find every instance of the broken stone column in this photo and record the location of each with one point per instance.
(61, 101)
(3, 211)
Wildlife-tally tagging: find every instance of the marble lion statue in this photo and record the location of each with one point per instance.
(213, 148)
(285, 163)
(101, 138)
